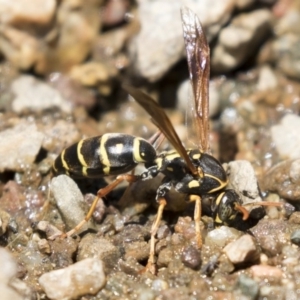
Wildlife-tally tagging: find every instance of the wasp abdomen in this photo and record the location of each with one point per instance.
(109, 154)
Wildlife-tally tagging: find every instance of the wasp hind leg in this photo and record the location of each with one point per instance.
(100, 194)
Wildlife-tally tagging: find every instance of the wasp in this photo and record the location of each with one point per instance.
(193, 172)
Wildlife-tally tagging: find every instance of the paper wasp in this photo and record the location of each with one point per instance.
(190, 171)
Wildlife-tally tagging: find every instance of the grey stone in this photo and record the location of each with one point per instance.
(16, 148)
(69, 201)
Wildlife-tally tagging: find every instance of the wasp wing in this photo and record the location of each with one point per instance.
(162, 121)
(198, 58)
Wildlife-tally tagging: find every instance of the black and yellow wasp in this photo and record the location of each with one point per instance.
(193, 172)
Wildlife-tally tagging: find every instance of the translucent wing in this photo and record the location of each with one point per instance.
(198, 59)
(162, 121)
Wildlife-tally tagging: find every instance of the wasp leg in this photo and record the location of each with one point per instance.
(151, 261)
(150, 173)
(197, 218)
(101, 193)
(162, 202)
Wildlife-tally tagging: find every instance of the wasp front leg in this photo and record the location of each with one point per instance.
(161, 192)
(193, 187)
(197, 218)
(150, 173)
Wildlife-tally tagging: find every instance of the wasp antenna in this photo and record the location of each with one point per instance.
(242, 210)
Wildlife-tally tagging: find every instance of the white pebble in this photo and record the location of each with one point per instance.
(221, 236)
(84, 277)
(286, 136)
(35, 95)
(242, 250)
(8, 270)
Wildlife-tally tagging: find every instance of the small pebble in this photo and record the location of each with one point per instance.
(50, 230)
(225, 265)
(63, 251)
(44, 246)
(132, 233)
(130, 266)
(17, 149)
(290, 251)
(272, 212)
(295, 237)
(161, 26)
(4, 221)
(22, 288)
(268, 291)
(267, 79)
(138, 250)
(100, 208)
(266, 272)
(8, 266)
(19, 13)
(159, 285)
(248, 286)
(240, 38)
(286, 138)
(165, 256)
(144, 293)
(263, 259)
(191, 257)
(271, 235)
(186, 227)
(243, 180)
(221, 236)
(163, 231)
(211, 265)
(284, 178)
(54, 132)
(84, 277)
(92, 246)
(295, 218)
(34, 95)
(8, 270)
(242, 250)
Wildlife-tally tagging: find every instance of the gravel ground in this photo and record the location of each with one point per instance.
(61, 69)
